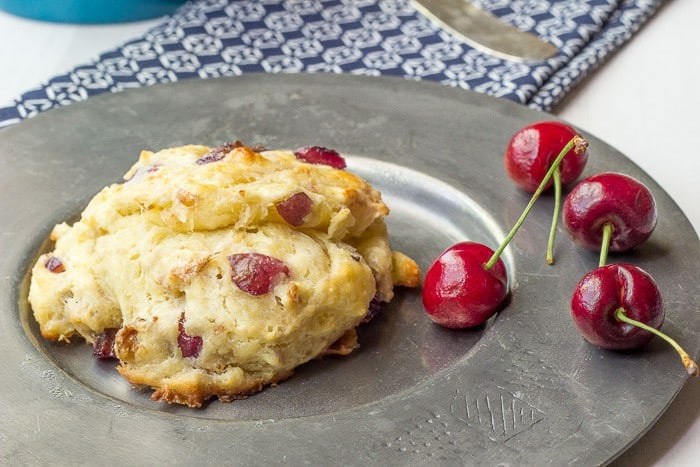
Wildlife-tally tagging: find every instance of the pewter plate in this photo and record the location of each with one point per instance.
(523, 390)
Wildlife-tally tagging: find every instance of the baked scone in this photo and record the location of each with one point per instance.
(213, 272)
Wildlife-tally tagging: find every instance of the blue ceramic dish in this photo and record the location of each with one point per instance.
(90, 11)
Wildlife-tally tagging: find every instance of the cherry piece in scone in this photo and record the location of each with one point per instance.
(320, 155)
(295, 208)
(255, 273)
(103, 346)
(190, 346)
(532, 150)
(55, 265)
(458, 291)
(620, 307)
(618, 201)
(218, 153)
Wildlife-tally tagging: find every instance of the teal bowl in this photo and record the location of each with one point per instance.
(90, 11)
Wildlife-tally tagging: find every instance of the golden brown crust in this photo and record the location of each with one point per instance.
(344, 346)
(404, 271)
(195, 397)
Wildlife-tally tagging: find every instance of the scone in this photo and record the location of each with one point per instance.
(213, 272)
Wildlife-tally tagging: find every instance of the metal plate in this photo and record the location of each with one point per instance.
(526, 389)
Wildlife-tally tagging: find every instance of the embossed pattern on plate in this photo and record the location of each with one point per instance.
(525, 390)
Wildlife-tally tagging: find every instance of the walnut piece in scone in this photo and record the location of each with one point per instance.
(214, 272)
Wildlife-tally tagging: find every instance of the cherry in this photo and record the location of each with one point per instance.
(190, 346)
(532, 150)
(530, 154)
(55, 265)
(467, 283)
(103, 347)
(620, 307)
(218, 153)
(458, 291)
(320, 155)
(255, 273)
(601, 292)
(610, 205)
(375, 307)
(295, 209)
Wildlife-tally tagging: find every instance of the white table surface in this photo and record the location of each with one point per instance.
(644, 101)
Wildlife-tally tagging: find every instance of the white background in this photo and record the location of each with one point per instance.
(644, 101)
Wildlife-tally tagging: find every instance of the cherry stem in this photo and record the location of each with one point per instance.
(689, 364)
(578, 144)
(556, 178)
(605, 243)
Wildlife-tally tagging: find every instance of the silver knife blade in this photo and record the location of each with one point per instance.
(484, 31)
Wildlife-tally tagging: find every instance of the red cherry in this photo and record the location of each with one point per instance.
(619, 307)
(459, 291)
(532, 150)
(534, 161)
(605, 289)
(617, 200)
(467, 283)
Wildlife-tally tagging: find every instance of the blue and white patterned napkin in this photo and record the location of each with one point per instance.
(212, 38)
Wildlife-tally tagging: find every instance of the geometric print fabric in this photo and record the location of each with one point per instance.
(214, 38)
